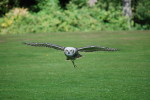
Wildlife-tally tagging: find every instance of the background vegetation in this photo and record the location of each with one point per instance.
(22, 16)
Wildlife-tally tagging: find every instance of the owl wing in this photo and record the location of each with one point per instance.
(95, 48)
(49, 45)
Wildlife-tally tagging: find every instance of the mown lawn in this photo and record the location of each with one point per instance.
(38, 73)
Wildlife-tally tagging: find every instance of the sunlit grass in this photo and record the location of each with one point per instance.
(36, 73)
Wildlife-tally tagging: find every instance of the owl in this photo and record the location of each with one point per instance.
(72, 53)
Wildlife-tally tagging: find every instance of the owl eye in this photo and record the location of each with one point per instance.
(66, 50)
(72, 51)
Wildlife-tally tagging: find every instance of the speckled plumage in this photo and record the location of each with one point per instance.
(71, 52)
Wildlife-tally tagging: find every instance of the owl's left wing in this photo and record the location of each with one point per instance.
(96, 48)
(49, 45)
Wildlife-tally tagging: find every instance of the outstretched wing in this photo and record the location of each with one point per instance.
(95, 48)
(49, 45)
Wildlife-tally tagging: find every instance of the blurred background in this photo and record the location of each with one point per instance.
(35, 16)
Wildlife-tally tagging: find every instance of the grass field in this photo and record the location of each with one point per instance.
(38, 73)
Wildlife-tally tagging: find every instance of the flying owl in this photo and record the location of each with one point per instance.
(72, 53)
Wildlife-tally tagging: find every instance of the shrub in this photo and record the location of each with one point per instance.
(13, 16)
(84, 19)
(6, 5)
(54, 19)
(142, 14)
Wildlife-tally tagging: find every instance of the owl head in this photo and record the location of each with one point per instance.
(70, 51)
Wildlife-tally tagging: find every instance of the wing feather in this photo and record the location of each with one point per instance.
(96, 48)
(49, 45)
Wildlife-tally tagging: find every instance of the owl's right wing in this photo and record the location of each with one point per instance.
(96, 48)
(49, 45)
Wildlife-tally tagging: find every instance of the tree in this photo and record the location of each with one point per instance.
(127, 11)
(92, 2)
(127, 8)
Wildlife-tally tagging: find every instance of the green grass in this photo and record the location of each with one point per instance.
(36, 73)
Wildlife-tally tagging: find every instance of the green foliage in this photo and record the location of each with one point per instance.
(6, 5)
(77, 16)
(72, 19)
(3, 7)
(47, 4)
(12, 19)
(14, 16)
(142, 15)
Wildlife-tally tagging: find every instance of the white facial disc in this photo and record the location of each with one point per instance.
(70, 51)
